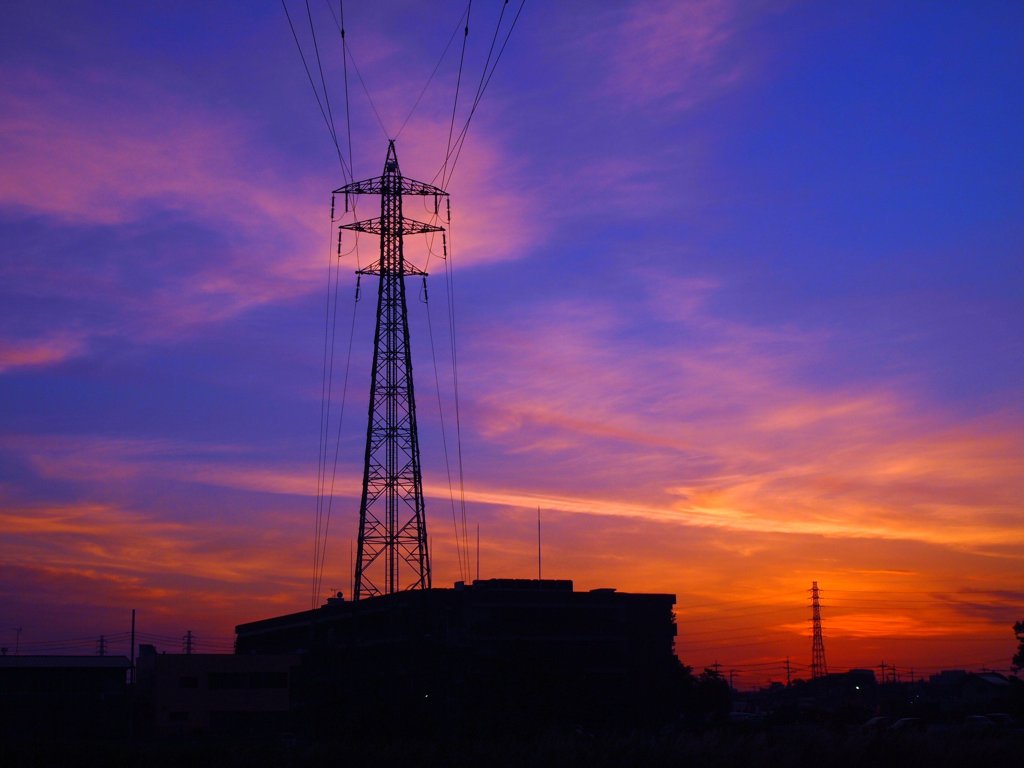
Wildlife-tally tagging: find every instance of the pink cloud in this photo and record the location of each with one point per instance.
(129, 147)
(491, 219)
(103, 150)
(26, 353)
(133, 149)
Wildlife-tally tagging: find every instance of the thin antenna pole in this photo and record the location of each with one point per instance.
(132, 652)
(539, 577)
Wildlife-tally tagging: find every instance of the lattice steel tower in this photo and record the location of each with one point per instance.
(392, 550)
(818, 666)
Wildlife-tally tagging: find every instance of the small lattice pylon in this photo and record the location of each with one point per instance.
(818, 666)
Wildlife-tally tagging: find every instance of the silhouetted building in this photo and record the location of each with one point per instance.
(957, 693)
(190, 693)
(508, 650)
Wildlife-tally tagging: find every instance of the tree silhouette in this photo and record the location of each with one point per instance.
(1018, 659)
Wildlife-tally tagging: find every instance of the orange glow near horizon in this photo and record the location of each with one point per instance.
(742, 597)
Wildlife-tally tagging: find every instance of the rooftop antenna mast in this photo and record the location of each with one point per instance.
(392, 553)
(538, 545)
(818, 666)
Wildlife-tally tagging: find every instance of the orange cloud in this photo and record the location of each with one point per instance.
(724, 435)
(105, 556)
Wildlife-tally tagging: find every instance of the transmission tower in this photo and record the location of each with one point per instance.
(392, 548)
(818, 666)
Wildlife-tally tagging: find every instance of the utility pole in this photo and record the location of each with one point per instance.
(132, 641)
(883, 667)
(188, 640)
(101, 646)
(392, 551)
(789, 679)
(818, 666)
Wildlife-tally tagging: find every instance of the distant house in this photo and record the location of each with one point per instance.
(985, 692)
(956, 692)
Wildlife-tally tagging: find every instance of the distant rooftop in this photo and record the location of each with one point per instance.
(64, 662)
(557, 585)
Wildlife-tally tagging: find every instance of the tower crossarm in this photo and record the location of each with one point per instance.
(408, 269)
(375, 186)
(376, 226)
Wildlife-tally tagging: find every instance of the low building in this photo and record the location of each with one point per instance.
(499, 650)
(205, 692)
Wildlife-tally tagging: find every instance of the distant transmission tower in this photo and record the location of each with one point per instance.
(818, 666)
(392, 550)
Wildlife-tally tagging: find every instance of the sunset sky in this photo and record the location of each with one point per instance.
(738, 298)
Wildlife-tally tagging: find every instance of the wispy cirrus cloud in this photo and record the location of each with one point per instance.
(668, 53)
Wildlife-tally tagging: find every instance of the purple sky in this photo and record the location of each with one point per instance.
(738, 290)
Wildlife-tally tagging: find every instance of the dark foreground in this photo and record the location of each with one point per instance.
(781, 746)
